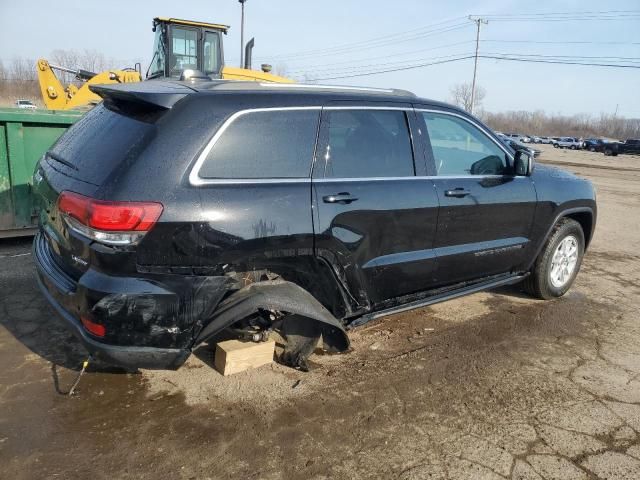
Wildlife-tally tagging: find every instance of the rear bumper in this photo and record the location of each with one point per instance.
(61, 293)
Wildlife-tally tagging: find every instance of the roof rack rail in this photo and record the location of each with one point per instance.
(335, 87)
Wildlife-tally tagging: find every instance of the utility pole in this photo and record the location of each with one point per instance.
(242, 34)
(478, 21)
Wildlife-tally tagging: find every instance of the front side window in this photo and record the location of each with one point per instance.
(368, 144)
(460, 148)
(211, 51)
(264, 144)
(184, 47)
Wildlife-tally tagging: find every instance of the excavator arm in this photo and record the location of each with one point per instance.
(58, 97)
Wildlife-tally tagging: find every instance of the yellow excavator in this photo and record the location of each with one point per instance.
(182, 49)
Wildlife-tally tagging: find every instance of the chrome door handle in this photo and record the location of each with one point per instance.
(342, 198)
(457, 192)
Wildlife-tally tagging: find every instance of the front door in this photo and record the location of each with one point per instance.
(376, 212)
(486, 212)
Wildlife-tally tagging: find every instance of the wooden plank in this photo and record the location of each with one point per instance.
(233, 356)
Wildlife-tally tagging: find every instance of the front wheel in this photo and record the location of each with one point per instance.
(556, 267)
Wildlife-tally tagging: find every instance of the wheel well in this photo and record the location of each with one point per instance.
(585, 219)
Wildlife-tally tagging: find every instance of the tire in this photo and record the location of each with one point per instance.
(542, 283)
(592, 149)
(555, 145)
(572, 147)
(608, 152)
(301, 335)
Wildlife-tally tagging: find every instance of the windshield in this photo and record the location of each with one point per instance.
(157, 60)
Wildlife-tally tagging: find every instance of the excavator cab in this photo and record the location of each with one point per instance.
(182, 49)
(182, 45)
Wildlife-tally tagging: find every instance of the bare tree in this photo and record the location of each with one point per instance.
(90, 60)
(22, 69)
(461, 96)
(540, 123)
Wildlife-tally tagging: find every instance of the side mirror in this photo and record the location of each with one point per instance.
(523, 164)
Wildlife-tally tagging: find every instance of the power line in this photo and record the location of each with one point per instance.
(569, 57)
(361, 42)
(494, 57)
(567, 19)
(339, 68)
(561, 62)
(448, 26)
(381, 41)
(352, 62)
(333, 66)
(409, 67)
(543, 15)
(360, 68)
(605, 12)
(410, 62)
(560, 42)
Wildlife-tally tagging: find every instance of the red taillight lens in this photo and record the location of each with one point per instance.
(110, 216)
(92, 327)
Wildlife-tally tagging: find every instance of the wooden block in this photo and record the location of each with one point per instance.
(233, 356)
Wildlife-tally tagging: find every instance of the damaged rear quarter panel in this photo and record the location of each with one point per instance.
(163, 311)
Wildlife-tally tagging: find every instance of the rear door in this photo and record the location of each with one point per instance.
(486, 212)
(375, 209)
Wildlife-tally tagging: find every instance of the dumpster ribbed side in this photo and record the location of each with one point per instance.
(25, 135)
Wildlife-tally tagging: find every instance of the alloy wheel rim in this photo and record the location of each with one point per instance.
(564, 261)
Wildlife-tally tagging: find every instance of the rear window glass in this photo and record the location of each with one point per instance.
(267, 144)
(99, 142)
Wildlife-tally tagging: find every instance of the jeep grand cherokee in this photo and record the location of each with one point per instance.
(175, 211)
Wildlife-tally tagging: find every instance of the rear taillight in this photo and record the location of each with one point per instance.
(113, 223)
(92, 327)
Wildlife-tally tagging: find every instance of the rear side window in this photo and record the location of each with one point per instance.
(264, 144)
(367, 144)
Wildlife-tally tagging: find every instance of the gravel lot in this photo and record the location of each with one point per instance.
(495, 385)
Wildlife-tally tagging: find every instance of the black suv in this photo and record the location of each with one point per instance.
(629, 147)
(175, 211)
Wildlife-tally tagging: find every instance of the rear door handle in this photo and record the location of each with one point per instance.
(457, 192)
(342, 197)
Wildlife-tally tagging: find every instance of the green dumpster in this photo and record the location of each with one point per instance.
(25, 135)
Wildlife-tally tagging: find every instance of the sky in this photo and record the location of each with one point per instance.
(334, 38)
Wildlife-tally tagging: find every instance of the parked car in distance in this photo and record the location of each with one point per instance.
(272, 212)
(629, 147)
(518, 137)
(595, 144)
(26, 104)
(567, 142)
(519, 146)
(545, 140)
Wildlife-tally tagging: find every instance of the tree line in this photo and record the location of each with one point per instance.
(543, 124)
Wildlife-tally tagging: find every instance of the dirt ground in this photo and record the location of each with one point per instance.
(495, 385)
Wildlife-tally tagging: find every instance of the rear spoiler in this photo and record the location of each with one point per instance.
(150, 94)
